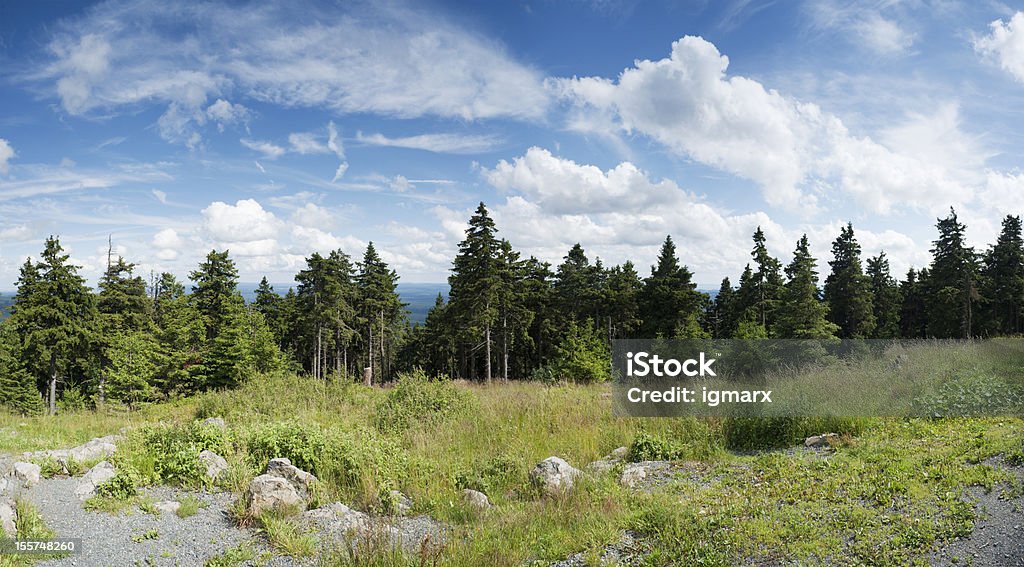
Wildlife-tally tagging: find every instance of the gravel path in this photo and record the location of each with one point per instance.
(107, 539)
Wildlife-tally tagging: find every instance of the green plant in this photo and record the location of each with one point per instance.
(303, 444)
(151, 534)
(286, 536)
(647, 447)
(122, 486)
(417, 398)
(189, 506)
(232, 557)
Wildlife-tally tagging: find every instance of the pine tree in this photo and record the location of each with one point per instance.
(848, 290)
(723, 321)
(803, 314)
(578, 288)
(270, 305)
(18, 392)
(132, 366)
(326, 308)
(623, 303)
(474, 285)
(885, 298)
(952, 285)
(55, 318)
(438, 350)
(766, 281)
(669, 300)
(1003, 287)
(125, 313)
(913, 309)
(538, 299)
(381, 312)
(744, 304)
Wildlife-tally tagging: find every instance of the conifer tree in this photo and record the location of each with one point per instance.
(18, 392)
(669, 299)
(270, 305)
(326, 300)
(913, 309)
(952, 283)
(380, 311)
(723, 321)
(125, 322)
(885, 298)
(578, 287)
(623, 302)
(803, 314)
(766, 282)
(848, 290)
(1003, 287)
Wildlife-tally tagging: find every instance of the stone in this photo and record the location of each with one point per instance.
(102, 472)
(476, 499)
(620, 453)
(632, 475)
(26, 474)
(400, 503)
(8, 518)
(601, 467)
(214, 463)
(215, 422)
(823, 440)
(95, 449)
(4, 483)
(554, 476)
(337, 519)
(168, 506)
(268, 492)
(301, 480)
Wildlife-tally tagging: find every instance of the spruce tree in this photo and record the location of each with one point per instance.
(803, 314)
(952, 284)
(913, 308)
(578, 288)
(125, 320)
(325, 302)
(1003, 287)
(766, 282)
(623, 303)
(848, 290)
(380, 311)
(18, 391)
(723, 321)
(669, 300)
(885, 298)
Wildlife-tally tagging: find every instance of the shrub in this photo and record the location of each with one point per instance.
(416, 398)
(754, 433)
(971, 395)
(123, 486)
(494, 476)
(646, 447)
(582, 356)
(303, 444)
(165, 453)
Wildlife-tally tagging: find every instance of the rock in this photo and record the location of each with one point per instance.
(601, 467)
(215, 422)
(823, 440)
(8, 516)
(102, 472)
(168, 506)
(400, 503)
(338, 525)
(268, 492)
(298, 478)
(99, 448)
(554, 476)
(27, 474)
(214, 463)
(4, 483)
(633, 475)
(620, 453)
(337, 520)
(476, 499)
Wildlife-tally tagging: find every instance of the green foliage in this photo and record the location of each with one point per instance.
(418, 399)
(189, 506)
(303, 444)
(848, 290)
(165, 453)
(972, 394)
(647, 447)
(669, 298)
(132, 367)
(241, 554)
(582, 356)
(123, 486)
(756, 433)
(804, 313)
(493, 476)
(952, 283)
(147, 535)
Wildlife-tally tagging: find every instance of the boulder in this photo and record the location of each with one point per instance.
(26, 474)
(620, 453)
(298, 478)
(601, 467)
(400, 503)
(215, 422)
(167, 506)
(633, 474)
(99, 448)
(8, 517)
(214, 463)
(476, 499)
(102, 472)
(268, 492)
(337, 520)
(4, 483)
(823, 440)
(554, 476)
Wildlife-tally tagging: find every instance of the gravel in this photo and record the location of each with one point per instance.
(107, 539)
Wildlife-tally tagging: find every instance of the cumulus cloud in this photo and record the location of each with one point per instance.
(168, 244)
(438, 143)
(794, 150)
(1005, 44)
(245, 221)
(383, 59)
(6, 153)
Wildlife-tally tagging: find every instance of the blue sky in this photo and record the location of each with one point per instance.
(279, 129)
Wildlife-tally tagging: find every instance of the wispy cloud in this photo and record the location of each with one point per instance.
(6, 153)
(438, 143)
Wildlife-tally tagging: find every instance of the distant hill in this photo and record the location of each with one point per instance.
(419, 296)
(6, 300)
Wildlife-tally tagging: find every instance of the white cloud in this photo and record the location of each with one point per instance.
(312, 215)
(383, 59)
(245, 221)
(1005, 44)
(340, 172)
(794, 150)
(335, 145)
(6, 153)
(269, 150)
(863, 24)
(438, 143)
(160, 195)
(16, 233)
(316, 240)
(306, 143)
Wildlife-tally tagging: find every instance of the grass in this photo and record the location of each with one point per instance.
(889, 492)
(30, 526)
(241, 554)
(189, 506)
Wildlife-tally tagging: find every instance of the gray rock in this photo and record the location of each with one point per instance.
(167, 506)
(554, 476)
(99, 448)
(216, 422)
(214, 463)
(337, 520)
(476, 499)
(633, 474)
(620, 453)
(301, 480)
(26, 474)
(102, 472)
(337, 524)
(4, 483)
(8, 516)
(601, 467)
(824, 440)
(400, 503)
(268, 492)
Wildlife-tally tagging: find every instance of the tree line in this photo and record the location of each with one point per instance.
(506, 316)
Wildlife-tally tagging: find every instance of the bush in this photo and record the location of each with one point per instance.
(646, 447)
(971, 395)
(123, 486)
(169, 454)
(303, 444)
(416, 398)
(754, 433)
(494, 476)
(582, 356)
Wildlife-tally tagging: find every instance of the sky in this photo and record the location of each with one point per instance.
(275, 130)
